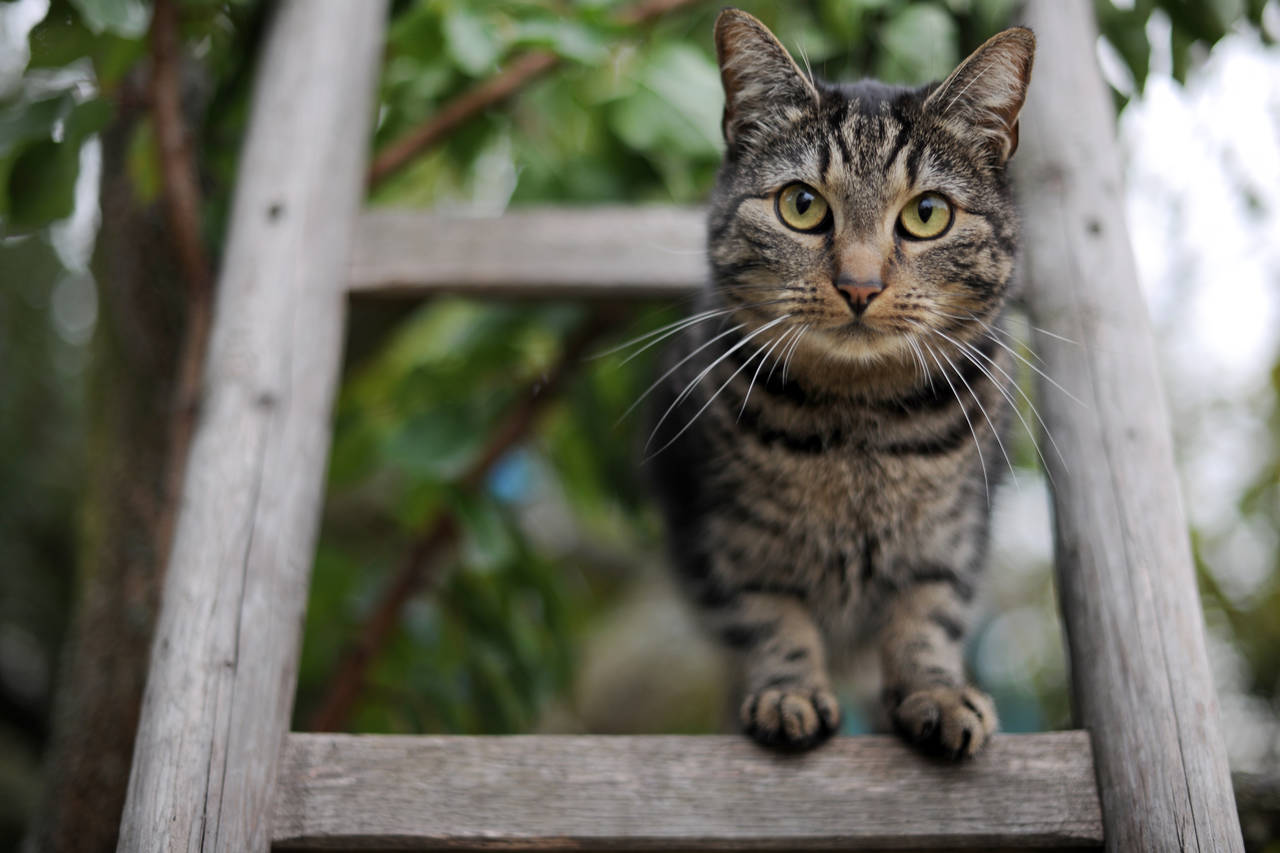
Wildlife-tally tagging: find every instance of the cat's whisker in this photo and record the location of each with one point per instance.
(993, 337)
(693, 383)
(986, 484)
(994, 431)
(1055, 335)
(919, 358)
(995, 333)
(664, 331)
(663, 378)
(792, 351)
(676, 327)
(705, 406)
(1021, 392)
(781, 353)
(1013, 352)
(756, 375)
(991, 330)
(967, 349)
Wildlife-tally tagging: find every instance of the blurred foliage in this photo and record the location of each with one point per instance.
(553, 539)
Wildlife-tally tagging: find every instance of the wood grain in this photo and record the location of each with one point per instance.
(1142, 685)
(602, 252)
(221, 683)
(368, 792)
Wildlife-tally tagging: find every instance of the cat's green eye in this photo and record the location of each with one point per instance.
(800, 207)
(926, 216)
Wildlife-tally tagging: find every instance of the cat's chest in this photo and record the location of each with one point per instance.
(841, 468)
(850, 489)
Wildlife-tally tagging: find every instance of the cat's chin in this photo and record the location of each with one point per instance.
(859, 343)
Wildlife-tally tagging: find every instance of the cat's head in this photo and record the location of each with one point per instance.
(873, 215)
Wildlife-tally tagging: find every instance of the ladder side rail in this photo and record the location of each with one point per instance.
(1126, 581)
(224, 661)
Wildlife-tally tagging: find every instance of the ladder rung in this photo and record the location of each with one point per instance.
(603, 252)
(367, 792)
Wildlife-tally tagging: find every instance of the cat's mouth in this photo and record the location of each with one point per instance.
(859, 329)
(862, 339)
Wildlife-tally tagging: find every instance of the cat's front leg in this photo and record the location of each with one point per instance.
(922, 660)
(789, 703)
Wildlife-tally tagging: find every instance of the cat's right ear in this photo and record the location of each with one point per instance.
(986, 92)
(764, 89)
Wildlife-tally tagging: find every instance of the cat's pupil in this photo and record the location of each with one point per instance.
(803, 201)
(925, 209)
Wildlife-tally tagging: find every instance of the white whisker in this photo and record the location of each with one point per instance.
(665, 331)
(791, 351)
(1023, 359)
(986, 484)
(678, 326)
(994, 431)
(676, 367)
(1013, 404)
(693, 383)
(1057, 336)
(698, 413)
(919, 359)
(756, 375)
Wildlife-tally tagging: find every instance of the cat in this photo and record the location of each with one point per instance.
(828, 425)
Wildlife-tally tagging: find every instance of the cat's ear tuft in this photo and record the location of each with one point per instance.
(763, 86)
(987, 91)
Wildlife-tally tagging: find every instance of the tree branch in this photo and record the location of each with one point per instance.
(349, 679)
(182, 204)
(397, 154)
(519, 73)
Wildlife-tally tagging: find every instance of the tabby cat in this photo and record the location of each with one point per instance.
(828, 429)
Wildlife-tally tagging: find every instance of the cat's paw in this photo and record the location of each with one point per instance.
(790, 717)
(951, 721)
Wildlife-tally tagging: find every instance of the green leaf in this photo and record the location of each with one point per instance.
(23, 122)
(86, 119)
(62, 38)
(42, 184)
(42, 177)
(128, 18)
(142, 161)
(487, 537)
(438, 444)
(570, 39)
(919, 44)
(471, 41)
(676, 105)
(993, 15)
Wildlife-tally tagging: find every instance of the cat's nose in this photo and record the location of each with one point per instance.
(858, 293)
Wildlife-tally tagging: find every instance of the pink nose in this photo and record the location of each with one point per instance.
(858, 293)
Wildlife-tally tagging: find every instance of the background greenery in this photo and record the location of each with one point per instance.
(549, 614)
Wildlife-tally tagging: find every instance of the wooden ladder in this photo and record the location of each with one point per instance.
(215, 766)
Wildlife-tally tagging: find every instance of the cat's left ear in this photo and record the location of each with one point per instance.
(987, 91)
(763, 86)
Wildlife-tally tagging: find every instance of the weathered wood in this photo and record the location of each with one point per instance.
(684, 793)
(218, 697)
(1141, 681)
(635, 252)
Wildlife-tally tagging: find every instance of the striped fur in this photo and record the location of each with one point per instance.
(826, 473)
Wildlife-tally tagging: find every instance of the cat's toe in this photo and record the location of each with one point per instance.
(790, 718)
(951, 721)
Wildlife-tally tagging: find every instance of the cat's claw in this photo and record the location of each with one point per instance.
(790, 718)
(954, 722)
